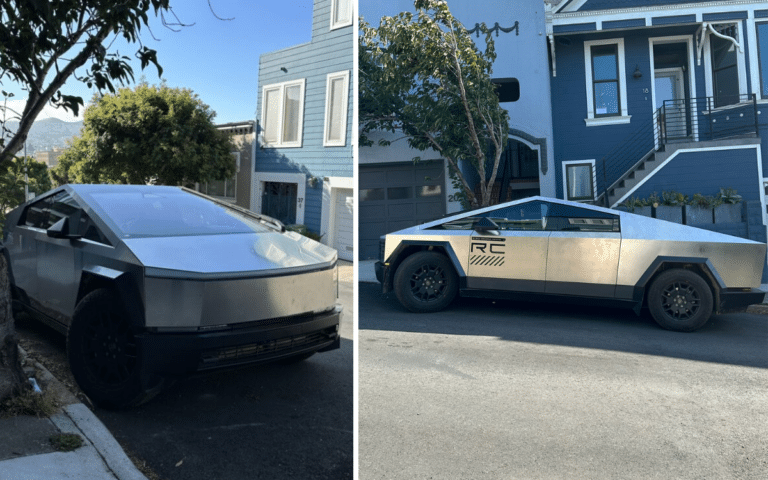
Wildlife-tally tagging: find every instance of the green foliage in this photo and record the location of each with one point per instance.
(673, 199)
(30, 403)
(635, 202)
(703, 201)
(148, 134)
(12, 183)
(422, 75)
(303, 230)
(66, 442)
(729, 196)
(43, 43)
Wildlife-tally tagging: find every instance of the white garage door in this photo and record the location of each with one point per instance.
(343, 223)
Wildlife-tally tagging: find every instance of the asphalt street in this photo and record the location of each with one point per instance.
(496, 389)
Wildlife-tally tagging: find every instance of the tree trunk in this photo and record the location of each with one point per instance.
(11, 374)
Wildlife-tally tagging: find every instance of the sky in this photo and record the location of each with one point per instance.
(217, 59)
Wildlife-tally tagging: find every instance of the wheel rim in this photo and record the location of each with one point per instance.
(428, 283)
(680, 301)
(110, 349)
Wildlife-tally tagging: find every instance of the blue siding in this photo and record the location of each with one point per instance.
(638, 22)
(714, 17)
(674, 20)
(580, 27)
(329, 51)
(611, 4)
(703, 172)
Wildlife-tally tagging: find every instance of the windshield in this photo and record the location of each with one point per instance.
(169, 213)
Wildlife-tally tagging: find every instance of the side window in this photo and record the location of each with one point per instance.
(63, 205)
(565, 218)
(523, 216)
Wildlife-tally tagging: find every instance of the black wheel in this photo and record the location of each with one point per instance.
(680, 300)
(103, 352)
(426, 282)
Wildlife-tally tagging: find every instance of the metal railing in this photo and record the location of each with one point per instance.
(707, 118)
(677, 121)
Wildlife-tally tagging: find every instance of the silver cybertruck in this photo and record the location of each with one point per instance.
(548, 249)
(149, 282)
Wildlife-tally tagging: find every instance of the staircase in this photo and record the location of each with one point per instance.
(692, 123)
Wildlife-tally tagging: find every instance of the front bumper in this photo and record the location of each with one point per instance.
(737, 300)
(383, 275)
(176, 353)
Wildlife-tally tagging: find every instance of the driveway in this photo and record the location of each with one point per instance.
(492, 389)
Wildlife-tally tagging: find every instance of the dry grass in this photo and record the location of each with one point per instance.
(30, 403)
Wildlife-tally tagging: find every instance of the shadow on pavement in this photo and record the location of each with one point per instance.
(738, 339)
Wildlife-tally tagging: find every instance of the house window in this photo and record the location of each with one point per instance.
(725, 70)
(605, 82)
(605, 79)
(224, 188)
(579, 180)
(278, 200)
(762, 50)
(341, 13)
(282, 114)
(336, 95)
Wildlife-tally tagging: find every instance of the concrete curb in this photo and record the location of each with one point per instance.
(78, 419)
(96, 433)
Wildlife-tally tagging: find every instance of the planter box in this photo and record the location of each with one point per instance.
(670, 214)
(698, 215)
(644, 211)
(728, 213)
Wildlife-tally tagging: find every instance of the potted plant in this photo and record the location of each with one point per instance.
(729, 210)
(699, 210)
(637, 206)
(671, 208)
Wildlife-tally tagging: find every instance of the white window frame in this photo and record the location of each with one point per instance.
(280, 87)
(345, 22)
(754, 54)
(740, 63)
(300, 179)
(344, 105)
(565, 178)
(623, 117)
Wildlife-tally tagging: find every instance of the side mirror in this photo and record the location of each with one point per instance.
(486, 225)
(60, 229)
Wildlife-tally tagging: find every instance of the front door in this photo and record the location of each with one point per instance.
(670, 98)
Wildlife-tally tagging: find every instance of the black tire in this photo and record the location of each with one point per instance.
(680, 300)
(104, 355)
(426, 282)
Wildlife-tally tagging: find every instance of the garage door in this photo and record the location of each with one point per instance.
(343, 222)
(396, 196)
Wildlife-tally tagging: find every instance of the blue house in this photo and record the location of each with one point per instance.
(653, 95)
(303, 163)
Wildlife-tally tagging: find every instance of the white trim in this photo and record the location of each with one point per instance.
(754, 55)
(622, 74)
(565, 177)
(280, 87)
(259, 178)
(689, 150)
(572, 7)
(252, 204)
(331, 186)
(740, 60)
(688, 39)
(344, 75)
(600, 121)
(344, 23)
(670, 10)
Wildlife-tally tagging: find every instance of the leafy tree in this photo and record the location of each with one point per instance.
(42, 45)
(422, 74)
(148, 134)
(12, 183)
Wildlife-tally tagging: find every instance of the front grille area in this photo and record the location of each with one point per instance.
(267, 323)
(255, 352)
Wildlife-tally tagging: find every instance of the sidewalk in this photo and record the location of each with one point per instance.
(27, 454)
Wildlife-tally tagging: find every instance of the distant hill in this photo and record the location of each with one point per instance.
(48, 133)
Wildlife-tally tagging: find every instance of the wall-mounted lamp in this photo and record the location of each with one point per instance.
(637, 73)
(284, 69)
